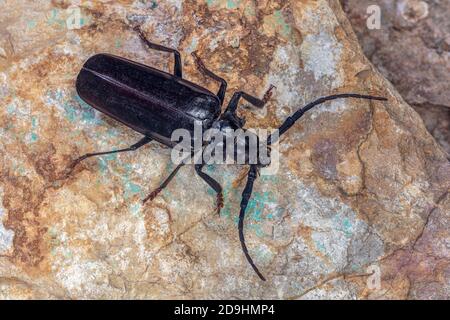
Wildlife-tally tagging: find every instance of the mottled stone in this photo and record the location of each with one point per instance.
(361, 185)
(412, 49)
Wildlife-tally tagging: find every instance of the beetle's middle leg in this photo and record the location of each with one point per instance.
(213, 184)
(134, 147)
(206, 72)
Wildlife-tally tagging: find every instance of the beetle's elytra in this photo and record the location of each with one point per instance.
(155, 103)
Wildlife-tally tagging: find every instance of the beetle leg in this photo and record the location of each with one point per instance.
(155, 192)
(178, 71)
(232, 106)
(213, 184)
(201, 67)
(246, 194)
(134, 147)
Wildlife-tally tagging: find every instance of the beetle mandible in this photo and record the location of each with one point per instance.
(155, 103)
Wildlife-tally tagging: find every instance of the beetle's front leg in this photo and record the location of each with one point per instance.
(178, 69)
(208, 73)
(134, 147)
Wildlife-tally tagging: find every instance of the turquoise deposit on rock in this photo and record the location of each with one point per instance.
(357, 209)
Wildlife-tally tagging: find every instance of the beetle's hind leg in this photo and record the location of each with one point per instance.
(178, 70)
(206, 72)
(155, 192)
(213, 184)
(134, 147)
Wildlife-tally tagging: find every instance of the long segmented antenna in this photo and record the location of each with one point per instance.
(290, 121)
(253, 173)
(246, 194)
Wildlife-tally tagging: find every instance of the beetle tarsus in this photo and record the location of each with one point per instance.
(152, 195)
(219, 203)
(268, 94)
(76, 162)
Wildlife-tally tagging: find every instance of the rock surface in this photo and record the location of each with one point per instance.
(412, 49)
(361, 194)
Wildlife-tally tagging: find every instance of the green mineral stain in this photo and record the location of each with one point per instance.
(285, 27)
(87, 112)
(103, 162)
(53, 19)
(193, 45)
(233, 4)
(257, 203)
(228, 4)
(343, 224)
(269, 178)
(110, 157)
(255, 207)
(265, 256)
(347, 225)
(34, 137)
(34, 122)
(70, 111)
(320, 246)
(131, 189)
(34, 126)
(118, 43)
(11, 108)
(153, 5)
(250, 10)
(31, 24)
(76, 110)
(136, 209)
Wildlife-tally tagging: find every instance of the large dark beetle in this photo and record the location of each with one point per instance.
(155, 103)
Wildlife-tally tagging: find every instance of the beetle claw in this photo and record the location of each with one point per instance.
(268, 93)
(197, 60)
(152, 195)
(137, 28)
(219, 203)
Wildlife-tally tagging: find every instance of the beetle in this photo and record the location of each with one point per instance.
(155, 103)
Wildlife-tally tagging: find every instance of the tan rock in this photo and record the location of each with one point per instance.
(357, 187)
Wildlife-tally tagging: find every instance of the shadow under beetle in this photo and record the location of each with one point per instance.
(155, 103)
